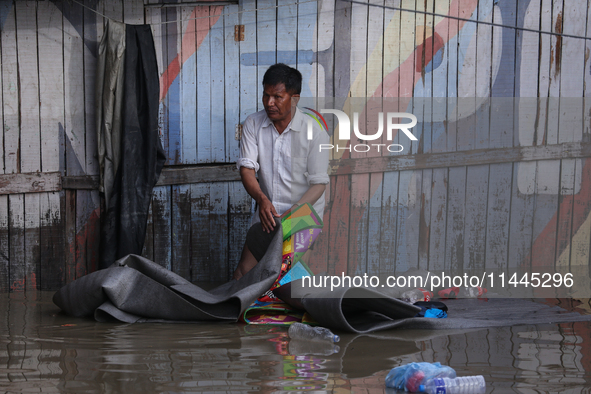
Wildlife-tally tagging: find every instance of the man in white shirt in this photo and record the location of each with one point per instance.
(292, 170)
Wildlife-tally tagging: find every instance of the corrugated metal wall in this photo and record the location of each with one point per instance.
(496, 189)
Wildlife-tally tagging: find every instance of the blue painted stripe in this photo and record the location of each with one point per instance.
(267, 58)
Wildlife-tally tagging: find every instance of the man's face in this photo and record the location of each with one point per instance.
(277, 102)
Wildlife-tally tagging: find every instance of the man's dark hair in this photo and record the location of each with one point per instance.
(288, 76)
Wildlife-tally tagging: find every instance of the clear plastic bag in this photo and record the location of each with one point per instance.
(411, 376)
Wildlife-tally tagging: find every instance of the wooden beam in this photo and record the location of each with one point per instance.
(30, 183)
(52, 181)
(199, 174)
(82, 182)
(574, 150)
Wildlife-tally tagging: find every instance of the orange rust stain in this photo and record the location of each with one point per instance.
(558, 52)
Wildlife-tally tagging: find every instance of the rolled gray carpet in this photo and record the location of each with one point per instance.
(135, 289)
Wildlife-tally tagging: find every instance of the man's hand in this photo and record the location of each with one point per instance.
(267, 214)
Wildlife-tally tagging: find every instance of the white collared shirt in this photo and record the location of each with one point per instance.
(287, 163)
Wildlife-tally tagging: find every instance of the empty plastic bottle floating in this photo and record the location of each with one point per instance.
(459, 385)
(304, 331)
(415, 295)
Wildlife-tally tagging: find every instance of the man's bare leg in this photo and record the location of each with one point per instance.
(247, 262)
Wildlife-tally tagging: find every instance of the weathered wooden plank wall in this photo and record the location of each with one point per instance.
(490, 183)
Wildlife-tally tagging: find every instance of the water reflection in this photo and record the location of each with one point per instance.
(42, 350)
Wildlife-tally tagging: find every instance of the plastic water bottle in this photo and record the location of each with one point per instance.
(459, 385)
(304, 331)
(415, 295)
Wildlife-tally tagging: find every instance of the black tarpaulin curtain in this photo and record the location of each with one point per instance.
(130, 151)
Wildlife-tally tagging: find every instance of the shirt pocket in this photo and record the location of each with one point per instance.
(299, 168)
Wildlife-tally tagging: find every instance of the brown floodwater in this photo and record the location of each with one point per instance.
(44, 351)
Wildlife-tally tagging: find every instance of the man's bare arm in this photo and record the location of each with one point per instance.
(267, 212)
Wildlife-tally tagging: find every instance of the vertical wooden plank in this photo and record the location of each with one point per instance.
(307, 43)
(69, 209)
(544, 228)
(10, 96)
(32, 244)
(133, 12)
(30, 136)
(318, 258)
(4, 245)
(501, 135)
(467, 62)
(357, 237)
(231, 82)
(188, 78)
(201, 269)
(502, 110)
(477, 182)
(148, 249)
(181, 230)
(93, 230)
(51, 101)
(4, 234)
(370, 19)
(93, 33)
(161, 206)
(428, 78)
(523, 188)
(16, 231)
(522, 210)
(581, 240)
(497, 222)
(374, 229)
(249, 97)
(565, 213)
(74, 90)
(204, 85)
(238, 222)
(454, 256)
(339, 225)
(342, 49)
(388, 225)
(439, 135)
(425, 219)
(74, 105)
(548, 171)
(266, 45)
(153, 17)
(216, 35)
(438, 227)
(408, 217)
(171, 47)
(325, 49)
(452, 80)
(28, 71)
(406, 82)
(113, 9)
(358, 232)
(359, 38)
(218, 230)
(572, 69)
(287, 18)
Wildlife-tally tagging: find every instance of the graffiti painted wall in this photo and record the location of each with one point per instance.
(500, 178)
